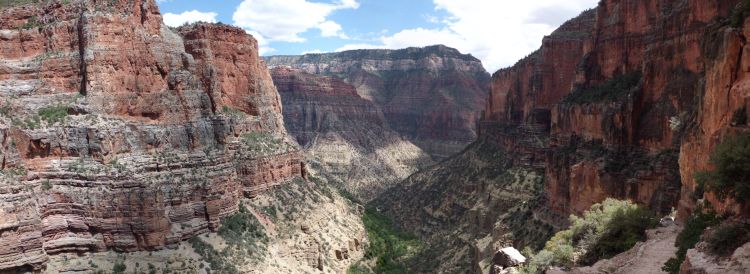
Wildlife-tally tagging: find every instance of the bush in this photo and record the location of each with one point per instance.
(610, 91)
(727, 238)
(53, 114)
(731, 176)
(46, 185)
(242, 227)
(605, 230)
(119, 268)
(538, 263)
(689, 236)
(388, 246)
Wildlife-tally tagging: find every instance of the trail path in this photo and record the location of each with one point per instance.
(648, 257)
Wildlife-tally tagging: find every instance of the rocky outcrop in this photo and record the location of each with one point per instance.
(346, 138)
(433, 96)
(120, 133)
(699, 260)
(617, 89)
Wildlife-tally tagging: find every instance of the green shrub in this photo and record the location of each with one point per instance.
(53, 114)
(610, 91)
(689, 236)
(731, 176)
(233, 112)
(119, 268)
(242, 227)
(727, 238)
(46, 185)
(538, 263)
(605, 230)
(357, 268)
(389, 246)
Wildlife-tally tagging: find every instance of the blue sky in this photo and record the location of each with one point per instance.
(498, 32)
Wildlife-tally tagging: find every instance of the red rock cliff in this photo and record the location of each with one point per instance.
(120, 133)
(433, 95)
(345, 137)
(616, 99)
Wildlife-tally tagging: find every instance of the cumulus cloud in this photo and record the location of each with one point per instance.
(176, 20)
(331, 29)
(286, 20)
(497, 32)
(263, 44)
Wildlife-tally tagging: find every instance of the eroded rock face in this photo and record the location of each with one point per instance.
(120, 133)
(346, 138)
(627, 100)
(433, 96)
(625, 143)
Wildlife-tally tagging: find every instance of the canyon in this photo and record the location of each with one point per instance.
(431, 96)
(128, 144)
(346, 138)
(627, 100)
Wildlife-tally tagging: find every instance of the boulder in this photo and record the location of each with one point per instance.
(508, 257)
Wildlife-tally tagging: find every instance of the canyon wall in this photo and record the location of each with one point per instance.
(619, 97)
(346, 138)
(433, 95)
(627, 100)
(119, 133)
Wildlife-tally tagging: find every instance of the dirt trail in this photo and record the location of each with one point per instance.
(648, 257)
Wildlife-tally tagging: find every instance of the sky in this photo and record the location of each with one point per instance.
(498, 32)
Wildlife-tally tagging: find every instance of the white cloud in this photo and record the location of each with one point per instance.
(497, 32)
(286, 20)
(176, 20)
(331, 29)
(263, 44)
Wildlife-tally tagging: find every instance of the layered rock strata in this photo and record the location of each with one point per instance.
(346, 138)
(120, 133)
(619, 90)
(433, 95)
(627, 100)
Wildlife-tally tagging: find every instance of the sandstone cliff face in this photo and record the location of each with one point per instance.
(120, 133)
(618, 121)
(433, 96)
(346, 138)
(627, 100)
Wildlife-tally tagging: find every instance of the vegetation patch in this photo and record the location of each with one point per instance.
(689, 236)
(263, 142)
(233, 112)
(244, 236)
(605, 230)
(53, 114)
(727, 238)
(731, 174)
(389, 246)
(13, 3)
(610, 91)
